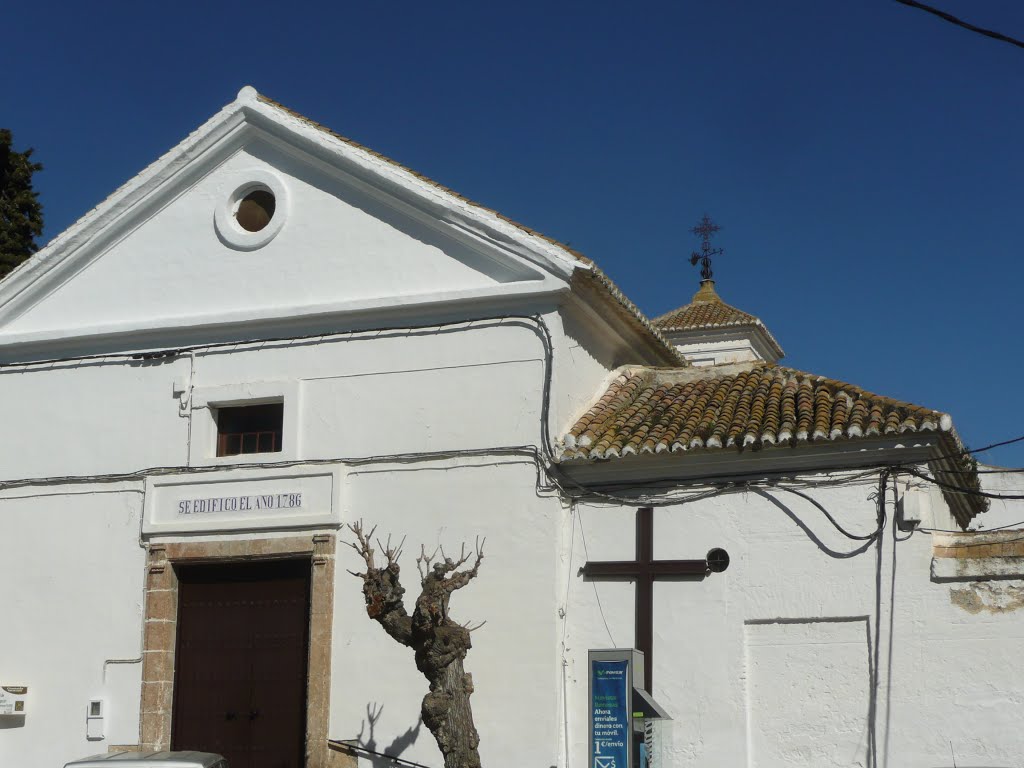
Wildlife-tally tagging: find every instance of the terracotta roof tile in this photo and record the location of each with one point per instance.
(707, 311)
(655, 410)
(703, 314)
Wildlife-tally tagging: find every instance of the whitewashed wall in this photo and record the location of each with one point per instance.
(371, 394)
(72, 572)
(359, 396)
(1002, 513)
(159, 275)
(769, 663)
(514, 659)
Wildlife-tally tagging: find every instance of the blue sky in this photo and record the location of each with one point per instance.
(863, 158)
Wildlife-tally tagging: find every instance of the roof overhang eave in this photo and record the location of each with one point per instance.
(609, 295)
(709, 465)
(940, 449)
(952, 465)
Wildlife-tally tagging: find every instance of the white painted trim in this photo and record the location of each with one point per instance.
(244, 181)
(104, 225)
(648, 350)
(692, 343)
(500, 254)
(21, 347)
(404, 185)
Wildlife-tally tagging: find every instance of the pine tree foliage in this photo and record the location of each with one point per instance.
(21, 213)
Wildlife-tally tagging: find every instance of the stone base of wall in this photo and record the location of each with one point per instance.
(976, 556)
(976, 545)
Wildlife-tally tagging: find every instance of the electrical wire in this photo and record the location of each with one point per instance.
(687, 494)
(1008, 526)
(1000, 444)
(544, 456)
(159, 471)
(957, 488)
(971, 451)
(564, 615)
(961, 23)
(167, 353)
(974, 543)
(597, 597)
(829, 517)
(883, 479)
(354, 745)
(534, 322)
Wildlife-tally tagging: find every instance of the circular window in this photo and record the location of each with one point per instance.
(255, 210)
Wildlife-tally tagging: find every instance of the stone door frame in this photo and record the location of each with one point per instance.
(159, 633)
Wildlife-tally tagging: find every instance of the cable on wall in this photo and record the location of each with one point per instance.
(961, 23)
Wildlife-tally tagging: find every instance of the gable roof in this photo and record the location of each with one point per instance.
(707, 311)
(590, 271)
(442, 202)
(656, 410)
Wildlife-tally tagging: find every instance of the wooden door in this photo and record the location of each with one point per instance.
(241, 662)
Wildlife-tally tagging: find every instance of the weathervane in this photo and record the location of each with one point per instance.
(705, 229)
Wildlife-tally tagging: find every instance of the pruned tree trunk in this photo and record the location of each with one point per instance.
(439, 643)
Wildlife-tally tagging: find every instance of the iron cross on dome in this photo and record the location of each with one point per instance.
(645, 570)
(706, 229)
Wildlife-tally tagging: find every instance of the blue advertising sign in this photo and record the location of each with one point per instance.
(609, 713)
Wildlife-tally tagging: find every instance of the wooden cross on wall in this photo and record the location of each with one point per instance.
(644, 571)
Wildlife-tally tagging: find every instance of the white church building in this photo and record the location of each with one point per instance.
(273, 332)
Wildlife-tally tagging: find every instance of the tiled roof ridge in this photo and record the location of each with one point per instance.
(663, 318)
(596, 274)
(448, 190)
(707, 311)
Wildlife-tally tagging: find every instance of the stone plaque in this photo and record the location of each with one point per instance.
(251, 499)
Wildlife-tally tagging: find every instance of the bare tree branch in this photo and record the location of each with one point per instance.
(382, 587)
(461, 578)
(423, 562)
(440, 644)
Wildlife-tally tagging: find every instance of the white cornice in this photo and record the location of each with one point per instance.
(314, 318)
(403, 190)
(692, 342)
(98, 229)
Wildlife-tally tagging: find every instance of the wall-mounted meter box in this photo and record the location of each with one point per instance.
(94, 715)
(13, 699)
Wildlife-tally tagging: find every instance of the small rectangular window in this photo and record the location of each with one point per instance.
(249, 429)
